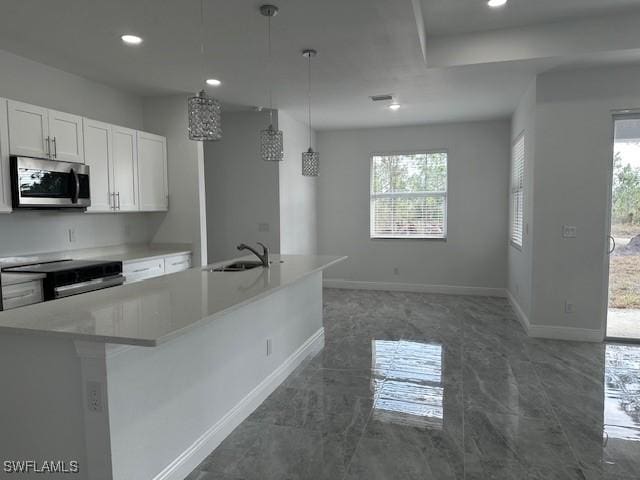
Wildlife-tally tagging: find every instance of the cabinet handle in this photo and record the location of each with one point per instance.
(48, 140)
(55, 148)
(112, 201)
(118, 194)
(140, 270)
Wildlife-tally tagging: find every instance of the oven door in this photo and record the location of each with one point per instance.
(38, 183)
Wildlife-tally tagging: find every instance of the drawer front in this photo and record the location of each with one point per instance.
(22, 294)
(136, 271)
(177, 263)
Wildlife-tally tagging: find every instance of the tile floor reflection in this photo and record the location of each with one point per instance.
(416, 386)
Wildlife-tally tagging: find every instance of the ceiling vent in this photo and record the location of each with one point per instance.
(382, 98)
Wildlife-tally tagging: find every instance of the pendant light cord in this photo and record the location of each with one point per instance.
(202, 74)
(269, 70)
(309, 99)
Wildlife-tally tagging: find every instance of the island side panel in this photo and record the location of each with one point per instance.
(171, 405)
(41, 404)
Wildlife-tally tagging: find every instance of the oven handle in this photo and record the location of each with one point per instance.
(91, 285)
(76, 182)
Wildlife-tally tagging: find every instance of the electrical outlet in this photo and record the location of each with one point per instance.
(72, 235)
(396, 271)
(569, 231)
(569, 307)
(263, 227)
(94, 396)
(127, 230)
(269, 347)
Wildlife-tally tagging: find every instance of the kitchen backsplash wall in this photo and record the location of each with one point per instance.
(37, 232)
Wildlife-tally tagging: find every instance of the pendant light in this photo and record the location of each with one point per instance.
(310, 159)
(205, 112)
(271, 143)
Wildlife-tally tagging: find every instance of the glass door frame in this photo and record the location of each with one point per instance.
(615, 116)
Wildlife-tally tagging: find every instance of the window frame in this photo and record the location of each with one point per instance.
(445, 195)
(513, 190)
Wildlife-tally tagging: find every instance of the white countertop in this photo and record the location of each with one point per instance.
(116, 253)
(122, 253)
(151, 312)
(144, 252)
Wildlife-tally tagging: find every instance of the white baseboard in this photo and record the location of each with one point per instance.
(184, 464)
(522, 317)
(553, 332)
(414, 287)
(566, 333)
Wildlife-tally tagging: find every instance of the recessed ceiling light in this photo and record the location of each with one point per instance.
(496, 3)
(131, 39)
(214, 82)
(394, 106)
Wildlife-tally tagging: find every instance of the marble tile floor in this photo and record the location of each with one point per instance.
(419, 386)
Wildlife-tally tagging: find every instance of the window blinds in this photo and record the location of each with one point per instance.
(409, 195)
(517, 191)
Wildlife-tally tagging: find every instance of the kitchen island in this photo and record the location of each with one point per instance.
(143, 381)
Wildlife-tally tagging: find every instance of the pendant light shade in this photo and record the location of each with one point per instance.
(310, 163)
(310, 159)
(204, 112)
(271, 146)
(271, 140)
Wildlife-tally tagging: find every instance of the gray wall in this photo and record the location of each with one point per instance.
(475, 252)
(520, 260)
(167, 116)
(573, 156)
(298, 206)
(32, 232)
(242, 189)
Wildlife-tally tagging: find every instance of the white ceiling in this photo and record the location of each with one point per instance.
(445, 17)
(366, 47)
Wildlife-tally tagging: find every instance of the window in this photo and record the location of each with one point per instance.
(409, 195)
(517, 191)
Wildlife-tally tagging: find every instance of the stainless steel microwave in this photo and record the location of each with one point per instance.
(39, 183)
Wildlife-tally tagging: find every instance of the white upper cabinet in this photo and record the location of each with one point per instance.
(28, 130)
(152, 172)
(65, 133)
(5, 186)
(128, 167)
(38, 132)
(98, 155)
(125, 169)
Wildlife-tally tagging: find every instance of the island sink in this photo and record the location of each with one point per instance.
(239, 266)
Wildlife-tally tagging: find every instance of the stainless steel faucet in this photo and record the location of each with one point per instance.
(264, 258)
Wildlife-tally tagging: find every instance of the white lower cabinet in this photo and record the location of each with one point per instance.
(177, 263)
(137, 270)
(21, 294)
(142, 270)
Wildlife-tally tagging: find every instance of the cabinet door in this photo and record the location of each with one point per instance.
(152, 172)
(5, 185)
(125, 168)
(28, 130)
(98, 155)
(65, 131)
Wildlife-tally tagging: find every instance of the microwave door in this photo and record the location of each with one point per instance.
(38, 183)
